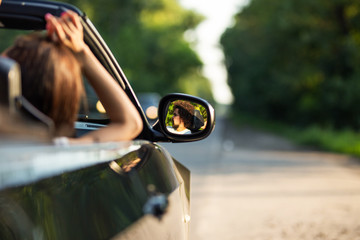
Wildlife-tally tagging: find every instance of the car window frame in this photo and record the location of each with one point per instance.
(92, 37)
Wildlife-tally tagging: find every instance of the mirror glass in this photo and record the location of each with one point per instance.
(185, 117)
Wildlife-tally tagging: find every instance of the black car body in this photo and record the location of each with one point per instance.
(123, 190)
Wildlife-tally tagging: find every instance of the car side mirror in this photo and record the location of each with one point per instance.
(184, 118)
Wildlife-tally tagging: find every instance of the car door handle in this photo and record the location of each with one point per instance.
(156, 205)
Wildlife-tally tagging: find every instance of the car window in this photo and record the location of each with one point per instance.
(90, 107)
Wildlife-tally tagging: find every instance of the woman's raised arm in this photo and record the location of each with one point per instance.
(126, 122)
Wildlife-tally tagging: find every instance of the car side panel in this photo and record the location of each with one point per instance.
(98, 202)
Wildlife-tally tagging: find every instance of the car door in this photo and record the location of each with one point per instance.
(130, 190)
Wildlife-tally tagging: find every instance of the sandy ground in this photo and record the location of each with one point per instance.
(253, 185)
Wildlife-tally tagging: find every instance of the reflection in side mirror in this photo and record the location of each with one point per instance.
(185, 117)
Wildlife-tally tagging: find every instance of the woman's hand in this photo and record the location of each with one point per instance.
(67, 30)
(126, 122)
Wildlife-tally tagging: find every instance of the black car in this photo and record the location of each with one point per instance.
(117, 190)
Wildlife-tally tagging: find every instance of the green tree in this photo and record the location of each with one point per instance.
(296, 61)
(146, 37)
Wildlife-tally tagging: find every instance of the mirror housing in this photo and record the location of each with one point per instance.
(185, 118)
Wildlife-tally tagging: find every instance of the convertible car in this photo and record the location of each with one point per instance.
(116, 190)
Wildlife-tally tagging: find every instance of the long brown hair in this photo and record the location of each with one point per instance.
(51, 78)
(186, 111)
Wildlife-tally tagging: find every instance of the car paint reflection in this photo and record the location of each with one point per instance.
(95, 202)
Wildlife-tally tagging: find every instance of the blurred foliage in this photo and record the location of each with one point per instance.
(325, 138)
(297, 61)
(8, 37)
(146, 37)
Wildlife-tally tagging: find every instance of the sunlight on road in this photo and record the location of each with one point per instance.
(243, 189)
(272, 195)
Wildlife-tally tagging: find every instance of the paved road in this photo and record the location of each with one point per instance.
(252, 185)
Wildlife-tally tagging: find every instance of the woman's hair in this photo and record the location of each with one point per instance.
(186, 111)
(51, 78)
